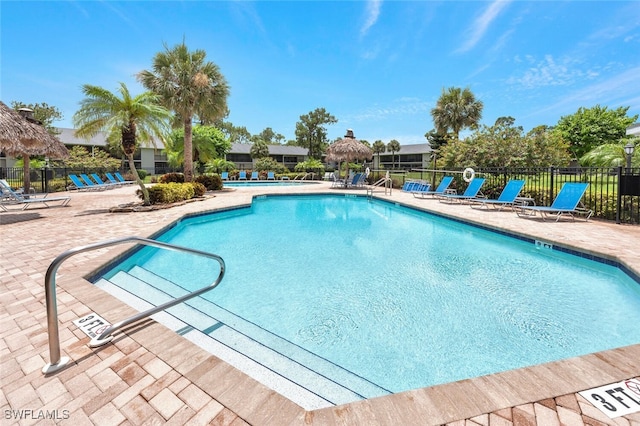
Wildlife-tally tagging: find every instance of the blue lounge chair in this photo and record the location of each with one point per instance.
(271, 176)
(470, 193)
(413, 185)
(90, 183)
(225, 175)
(79, 185)
(255, 176)
(360, 181)
(242, 175)
(565, 204)
(99, 181)
(356, 182)
(113, 180)
(10, 197)
(506, 199)
(422, 187)
(122, 180)
(440, 190)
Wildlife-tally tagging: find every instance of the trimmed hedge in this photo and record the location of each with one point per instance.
(210, 182)
(172, 177)
(167, 193)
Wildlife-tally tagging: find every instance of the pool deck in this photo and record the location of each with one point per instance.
(151, 375)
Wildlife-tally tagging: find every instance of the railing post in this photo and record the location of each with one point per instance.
(56, 362)
(551, 183)
(618, 194)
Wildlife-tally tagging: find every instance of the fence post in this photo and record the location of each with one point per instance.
(619, 194)
(551, 183)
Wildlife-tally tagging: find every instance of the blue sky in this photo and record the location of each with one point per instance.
(377, 66)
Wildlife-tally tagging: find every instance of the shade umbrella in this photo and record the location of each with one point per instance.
(348, 149)
(22, 137)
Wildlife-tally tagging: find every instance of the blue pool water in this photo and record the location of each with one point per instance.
(398, 298)
(254, 183)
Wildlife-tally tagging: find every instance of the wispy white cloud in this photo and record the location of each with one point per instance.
(551, 72)
(621, 85)
(77, 4)
(620, 89)
(373, 12)
(124, 16)
(480, 26)
(246, 15)
(406, 106)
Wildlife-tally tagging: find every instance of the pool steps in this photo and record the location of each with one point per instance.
(219, 327)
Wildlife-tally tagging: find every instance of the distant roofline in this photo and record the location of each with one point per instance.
(634, 129)
(68, 137)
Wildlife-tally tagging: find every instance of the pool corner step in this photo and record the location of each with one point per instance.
(218, 329)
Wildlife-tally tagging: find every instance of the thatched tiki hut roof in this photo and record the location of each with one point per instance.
(348, 149)
(19, 137)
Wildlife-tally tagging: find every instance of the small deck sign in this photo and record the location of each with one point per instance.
(616, 399)
(92, 325)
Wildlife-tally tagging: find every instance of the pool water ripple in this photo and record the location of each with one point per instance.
(401, 298)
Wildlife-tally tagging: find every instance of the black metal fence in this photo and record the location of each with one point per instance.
(48, 179)
(613, 193)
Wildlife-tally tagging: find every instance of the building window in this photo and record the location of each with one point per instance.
(239, 158)
(160, 156)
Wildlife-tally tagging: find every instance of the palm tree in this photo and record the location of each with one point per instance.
(207, 143)
(125, 118)
(259, 149)
(456, 109)
(378, 147)
(609, 155)
(218, 165)
(393, 146)
(189, 86)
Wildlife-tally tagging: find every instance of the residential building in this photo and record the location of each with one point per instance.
(153, 159)
(417, 156)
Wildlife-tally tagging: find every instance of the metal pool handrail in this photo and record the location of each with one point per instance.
(52, 309)
(385, 182)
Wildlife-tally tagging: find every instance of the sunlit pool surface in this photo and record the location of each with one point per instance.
(254, 183)
(377, 298)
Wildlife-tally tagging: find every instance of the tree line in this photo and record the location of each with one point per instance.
(185, 107)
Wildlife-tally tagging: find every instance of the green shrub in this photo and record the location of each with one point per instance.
(142, 173)
(268, 164)
(607, 207)
(57, 185)
(198, 189)
(167, 193)
(172, 177)
(210, 182)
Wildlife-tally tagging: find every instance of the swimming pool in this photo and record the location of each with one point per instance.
(254, 183)
(376, 298)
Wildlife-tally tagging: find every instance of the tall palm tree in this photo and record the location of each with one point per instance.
(259, 149)
(125, 118)
(378, 147)
(609, 155)
(188, 85)
(393, 146)
(455, 110)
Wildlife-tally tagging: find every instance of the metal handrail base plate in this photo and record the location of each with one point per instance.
(96, 342)
(52, 368)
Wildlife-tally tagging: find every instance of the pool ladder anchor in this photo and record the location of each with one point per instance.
(543, 245)
(56, 361)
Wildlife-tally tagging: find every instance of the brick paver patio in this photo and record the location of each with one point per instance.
(150, 375)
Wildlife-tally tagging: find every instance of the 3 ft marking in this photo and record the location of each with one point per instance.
(616, 399)
(92, 325)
